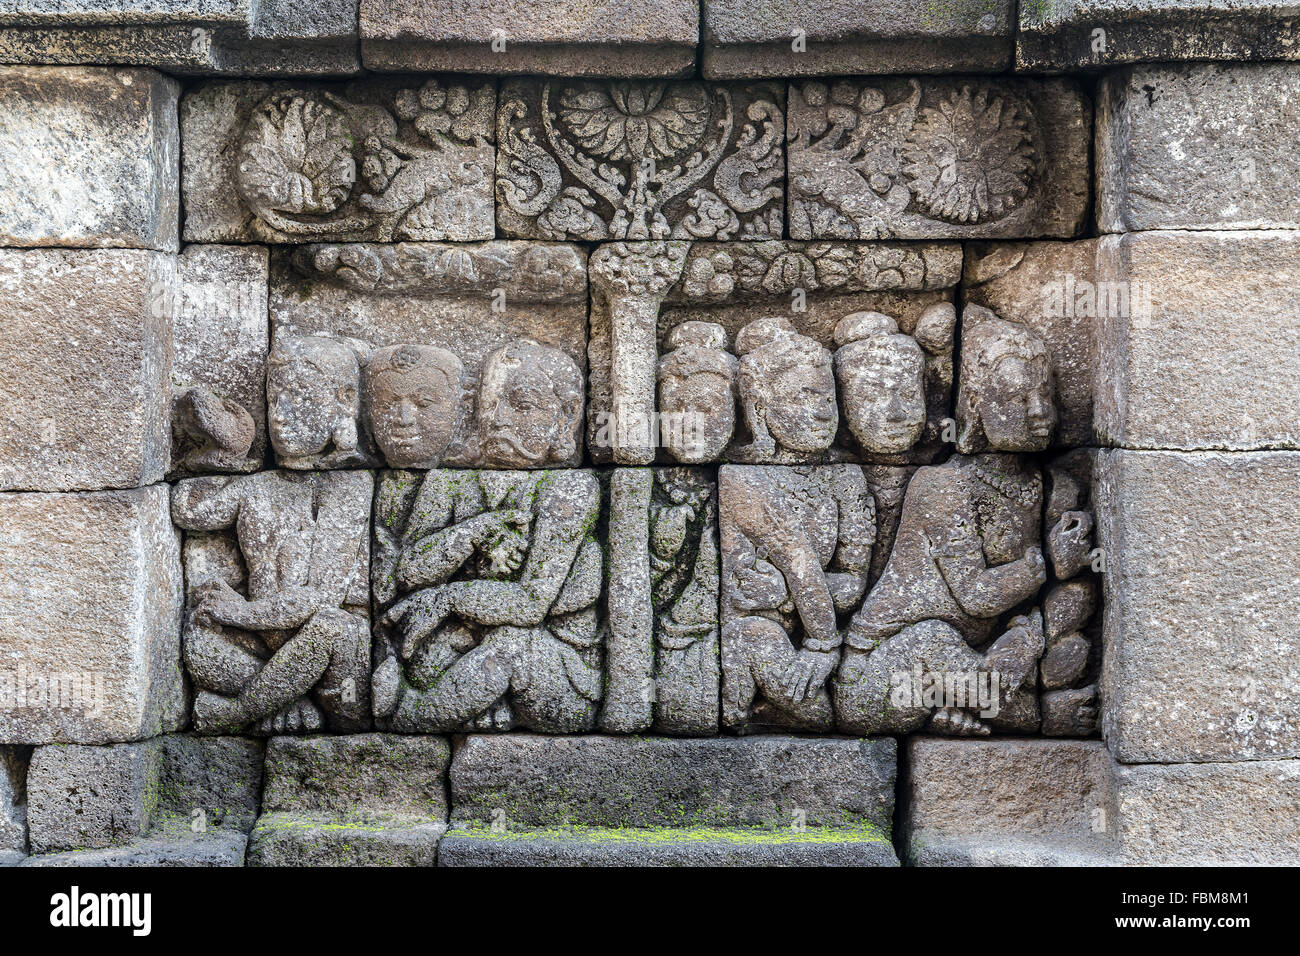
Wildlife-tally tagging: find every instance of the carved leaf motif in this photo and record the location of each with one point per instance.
(972, 159)
(296, 157)
(636, 120)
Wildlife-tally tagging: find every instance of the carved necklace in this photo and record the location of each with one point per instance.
(1027, 495)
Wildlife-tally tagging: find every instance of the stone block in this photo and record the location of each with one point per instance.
(87, 798)
(150, 802)
(91, 622)
(1209, 814)
(90, 158)
(276, 636)
(299, 839)
(754, 38)
(85, 357)
(456, 330)
(214, 848)
(1201, 626)
(588, 38)
(1177, 366)
(945, 158)
(522, 781)
(363, 774)
(1008, 802)
(386, 159)
(703, 846)
(220, 338)
(606, 159)
(13, 800)
(747, 352)
(365, 800)
(1198, 147)
(1050, 288)
(1058, 35)
(241, 37)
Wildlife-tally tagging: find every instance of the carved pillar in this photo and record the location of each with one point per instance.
(629, 282)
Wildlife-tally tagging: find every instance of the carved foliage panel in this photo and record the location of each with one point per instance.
(639, 159)
(383, 160)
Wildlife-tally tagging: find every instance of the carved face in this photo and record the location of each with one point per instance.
(698, 415)
(882, 385)
(312, 396)
(526, 417)
(798, 403)
(1015, 405)
(413, 411)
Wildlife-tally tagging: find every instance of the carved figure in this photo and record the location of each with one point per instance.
(313, 398)
(293, 654)
(697, 397)
(787, 390)
(530, 404)
(214, 433)
(881, 374)
(412, 397)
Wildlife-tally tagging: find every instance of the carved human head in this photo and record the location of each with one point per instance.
(697, 402)
(413, 401)
(312, 394)
(881, 372)
(529, 406)
(1005, 401)
(787, 386)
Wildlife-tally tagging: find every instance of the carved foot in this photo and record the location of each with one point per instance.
(214, 714)
(498, 717)
(1015, 654)
(957, 723)
(300, 717)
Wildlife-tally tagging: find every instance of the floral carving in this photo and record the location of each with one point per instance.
(972, 158)
(423, 160)
(640, 160)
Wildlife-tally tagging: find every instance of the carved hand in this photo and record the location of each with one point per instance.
(1069, 543)
(420, 614)
(807, 674)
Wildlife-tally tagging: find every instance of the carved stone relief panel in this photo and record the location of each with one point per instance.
(842, 608)
(914, 158)
(276, 636)
(640, 159)
(662, 647)
(780, 352)
(487, 588)
(382, 160)
(219, 334)
(420, 355)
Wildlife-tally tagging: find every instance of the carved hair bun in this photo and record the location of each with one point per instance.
(706, 335)
(863, 325)
(763, 332)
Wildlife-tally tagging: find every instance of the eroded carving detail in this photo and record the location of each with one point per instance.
(865, 158)
(277, 632)
(489, 584)
(634, 159)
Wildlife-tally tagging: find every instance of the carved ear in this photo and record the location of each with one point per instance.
(345, 435)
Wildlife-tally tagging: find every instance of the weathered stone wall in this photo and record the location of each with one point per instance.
(461, 432)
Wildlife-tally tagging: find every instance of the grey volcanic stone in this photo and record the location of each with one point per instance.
(90, 158)
(557, 38)
(83, 798)
(362, 773)
(162, 799)
(525, 781)
(363, 800)
(1060, 35)
(247, 37)
(214, 848)
(301, 839)
(1200, 612)
(1024, 175)
(750, 38)
(13, 800)
(817, 846)
(1198, 147)
(1162, 380)
(90, 651)
(1008, 802)
(85, 355)
(1210, 814)
(220, 337)
(1049, 287)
